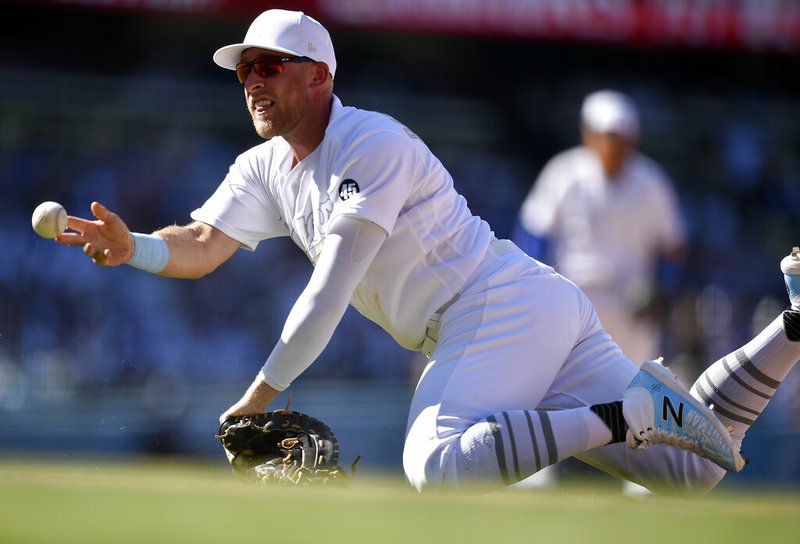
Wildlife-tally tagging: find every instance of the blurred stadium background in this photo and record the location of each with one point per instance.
(119, 101)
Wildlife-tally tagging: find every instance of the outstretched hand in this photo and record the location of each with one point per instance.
(107, 240)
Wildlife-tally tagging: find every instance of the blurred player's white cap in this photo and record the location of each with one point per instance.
(611, 111)
(290, 32)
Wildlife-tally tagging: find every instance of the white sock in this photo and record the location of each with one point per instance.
(510, 446)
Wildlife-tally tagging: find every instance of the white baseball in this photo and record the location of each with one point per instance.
(49, 219)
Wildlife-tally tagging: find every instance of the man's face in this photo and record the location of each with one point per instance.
(278, 102)
(611, 149)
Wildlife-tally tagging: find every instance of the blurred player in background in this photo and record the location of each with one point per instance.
(521, 374)
(607, 217)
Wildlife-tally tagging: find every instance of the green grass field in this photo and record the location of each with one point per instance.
(162, 501)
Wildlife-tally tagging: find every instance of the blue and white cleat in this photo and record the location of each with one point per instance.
(790, 266)
(660, 410)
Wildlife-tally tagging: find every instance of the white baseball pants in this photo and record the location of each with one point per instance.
(521, 337)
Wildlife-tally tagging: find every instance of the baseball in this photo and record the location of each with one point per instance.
(49, 219)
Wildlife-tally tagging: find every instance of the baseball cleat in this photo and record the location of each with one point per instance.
(790, 266)
(659, 410)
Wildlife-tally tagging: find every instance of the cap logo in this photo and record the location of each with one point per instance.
(311, 48)
(348, 188)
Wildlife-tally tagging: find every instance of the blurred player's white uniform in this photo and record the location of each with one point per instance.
(512, 334)
(606, 236)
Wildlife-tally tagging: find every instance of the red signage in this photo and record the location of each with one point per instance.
(772, 25)
(749, 24)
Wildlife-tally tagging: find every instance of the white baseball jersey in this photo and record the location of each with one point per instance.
(371, 167)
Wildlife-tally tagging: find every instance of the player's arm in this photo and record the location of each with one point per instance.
(539, 214)
(195, 249)
(187, 251)
(350, 247)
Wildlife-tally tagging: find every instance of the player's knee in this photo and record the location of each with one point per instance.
(462, 460)
(429, 467)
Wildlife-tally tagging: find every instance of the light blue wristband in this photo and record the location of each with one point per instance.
(150, 253)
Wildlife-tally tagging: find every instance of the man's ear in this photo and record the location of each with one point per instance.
(320, 74)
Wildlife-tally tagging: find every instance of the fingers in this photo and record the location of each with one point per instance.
(225, 416)
(102, 257)
(106, 239)
(71, 239)
(234, 410)
(79, 224)
(100, 211)
(83, 229)
(238, 410)
(84, 226)
(98, 257)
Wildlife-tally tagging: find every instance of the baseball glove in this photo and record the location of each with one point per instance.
(284, 447)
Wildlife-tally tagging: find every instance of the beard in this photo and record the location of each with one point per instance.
(287, 115)
(264, 128)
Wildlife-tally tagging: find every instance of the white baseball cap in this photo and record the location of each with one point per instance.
(290, 32)
(611, 111)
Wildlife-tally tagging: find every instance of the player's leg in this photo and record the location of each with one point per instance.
(455, 440)
(739, 386)
(514, 387)
(474, 415)
(459, 436)
(670, 416)
(596, 371)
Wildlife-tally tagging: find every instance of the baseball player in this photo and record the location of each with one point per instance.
(520, 373)
(606, 216)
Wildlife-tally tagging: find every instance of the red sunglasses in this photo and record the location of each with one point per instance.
(266, 66)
